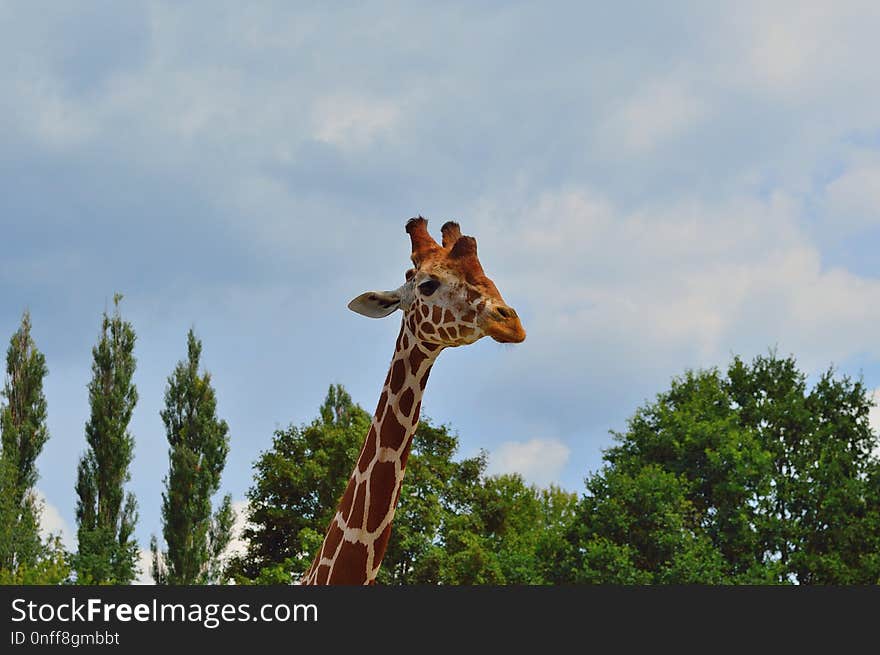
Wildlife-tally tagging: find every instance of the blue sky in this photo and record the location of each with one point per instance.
(652, 187)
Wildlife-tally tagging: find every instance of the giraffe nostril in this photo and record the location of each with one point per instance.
(506, 312)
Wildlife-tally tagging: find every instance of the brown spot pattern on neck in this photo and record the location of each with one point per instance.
(358, 535)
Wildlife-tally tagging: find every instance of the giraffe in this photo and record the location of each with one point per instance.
(447, 301)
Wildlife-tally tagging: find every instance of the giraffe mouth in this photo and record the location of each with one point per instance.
(506, 331)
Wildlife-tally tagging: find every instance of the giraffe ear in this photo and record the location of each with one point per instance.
(376, 304)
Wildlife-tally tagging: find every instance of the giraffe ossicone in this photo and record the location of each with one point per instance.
(447, 301)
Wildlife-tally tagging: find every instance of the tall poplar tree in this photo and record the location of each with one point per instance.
(105, 514)
(199, 443)
(24, 557)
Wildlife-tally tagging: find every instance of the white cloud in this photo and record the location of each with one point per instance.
(874, 418)
(657, 112)
(51, 522)
(238, 544)
(55, 122)
(797, 48)
(539, 461)
(706, 278)
(785, 51)
(854, 196)
(145, 561)
(351, 122)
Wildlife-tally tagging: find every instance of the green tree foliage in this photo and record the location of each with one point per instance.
(199, 444)
(748, 477)
(452, 525)
(455, 525)
(507, 533)
(105, 514)
(50, 567)
(25, 558)
(297, 485)
(436, 488)
(821, 515)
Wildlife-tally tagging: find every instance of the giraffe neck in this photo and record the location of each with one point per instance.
(358, 534)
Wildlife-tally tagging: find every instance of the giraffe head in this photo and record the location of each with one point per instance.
(447, 299)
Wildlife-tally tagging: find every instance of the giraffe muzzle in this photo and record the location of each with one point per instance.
(504, 325)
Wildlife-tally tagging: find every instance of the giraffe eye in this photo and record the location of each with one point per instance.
(428, 287)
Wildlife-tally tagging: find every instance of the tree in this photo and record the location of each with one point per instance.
(821, 515)
(105, 514)
(25, 558)
(199, 444)
(507, 532)
(297, 485)
(641, 528)
(451, 525)
(436, 488)
(748, 477)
